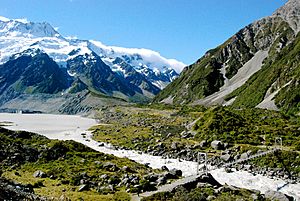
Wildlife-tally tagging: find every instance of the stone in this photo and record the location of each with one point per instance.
(203, 143)
(254, 197)
(164, 168)
(201, 185)
(113, 180)
(83, 187)
(244, 156)
(161, 181)
(173, 174)
(101, 144)
(248, 167)
(126, 169)
(176, 172)
(174, 145)
(39, 174)
(217, 145)
(226, 157)
(105, 189)
(104, 176)
(275, 195)
(211, 197)
(110, 166)
(97, 162)
(152, 177)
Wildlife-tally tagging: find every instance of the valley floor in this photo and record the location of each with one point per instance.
(65, 127)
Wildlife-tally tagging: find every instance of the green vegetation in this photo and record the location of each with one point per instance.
(158, 130)
(66, 165)
(279, 69)
(143, 128)
(201, 194)
(247, 126)
(138, 128)
(287, 160)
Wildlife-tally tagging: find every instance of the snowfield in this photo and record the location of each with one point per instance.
(68, 127)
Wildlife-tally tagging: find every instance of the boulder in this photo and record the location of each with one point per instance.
(244, 155)
(203, 143)
(217, 145)
(110, 167)
(275, 195)
(39, 174)
(173, 174)
(211, 197)
(174, 145)
(104, 176)
(176, 172)
(97, 162)
(161, 181)
(114, 180)
(106, 189)
(164, 168)
(83, 187)
(226, 157)
(127, 169)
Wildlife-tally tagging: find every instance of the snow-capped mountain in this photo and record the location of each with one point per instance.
(18, 35)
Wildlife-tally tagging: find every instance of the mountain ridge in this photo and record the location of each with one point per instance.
(130, 74)
(211, 74)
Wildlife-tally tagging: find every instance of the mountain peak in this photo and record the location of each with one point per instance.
(23, 27)
(290, 12)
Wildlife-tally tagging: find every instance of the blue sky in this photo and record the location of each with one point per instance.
(180, 29)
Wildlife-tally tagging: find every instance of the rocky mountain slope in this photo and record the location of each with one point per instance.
(257, 67)
(36, 59)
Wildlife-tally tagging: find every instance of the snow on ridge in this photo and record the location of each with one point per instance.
(22, 20)
(18, 35)
(4, 19)
(147, 55)
(23, 28)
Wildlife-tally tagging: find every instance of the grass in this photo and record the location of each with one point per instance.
(199, 194)
(250, 129)
(67, 162)
(139, 127)
(247, 126)
(54, 188)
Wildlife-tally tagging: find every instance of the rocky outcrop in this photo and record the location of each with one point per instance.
(275, 195)
(10, 190)
(216, 77)
(290, 12)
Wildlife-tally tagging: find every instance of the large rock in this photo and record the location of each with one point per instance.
(203, 143)
(244, 156)
(173, 174)
(161, 181)
(176, 172)
(39, 174)
(275, 195)
(174, 145)
(83, 187)
(110, 167)
(217, 145)
(226, 157)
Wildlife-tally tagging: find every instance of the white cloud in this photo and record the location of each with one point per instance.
(22, 20)
(4, 19)
(148, 55)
